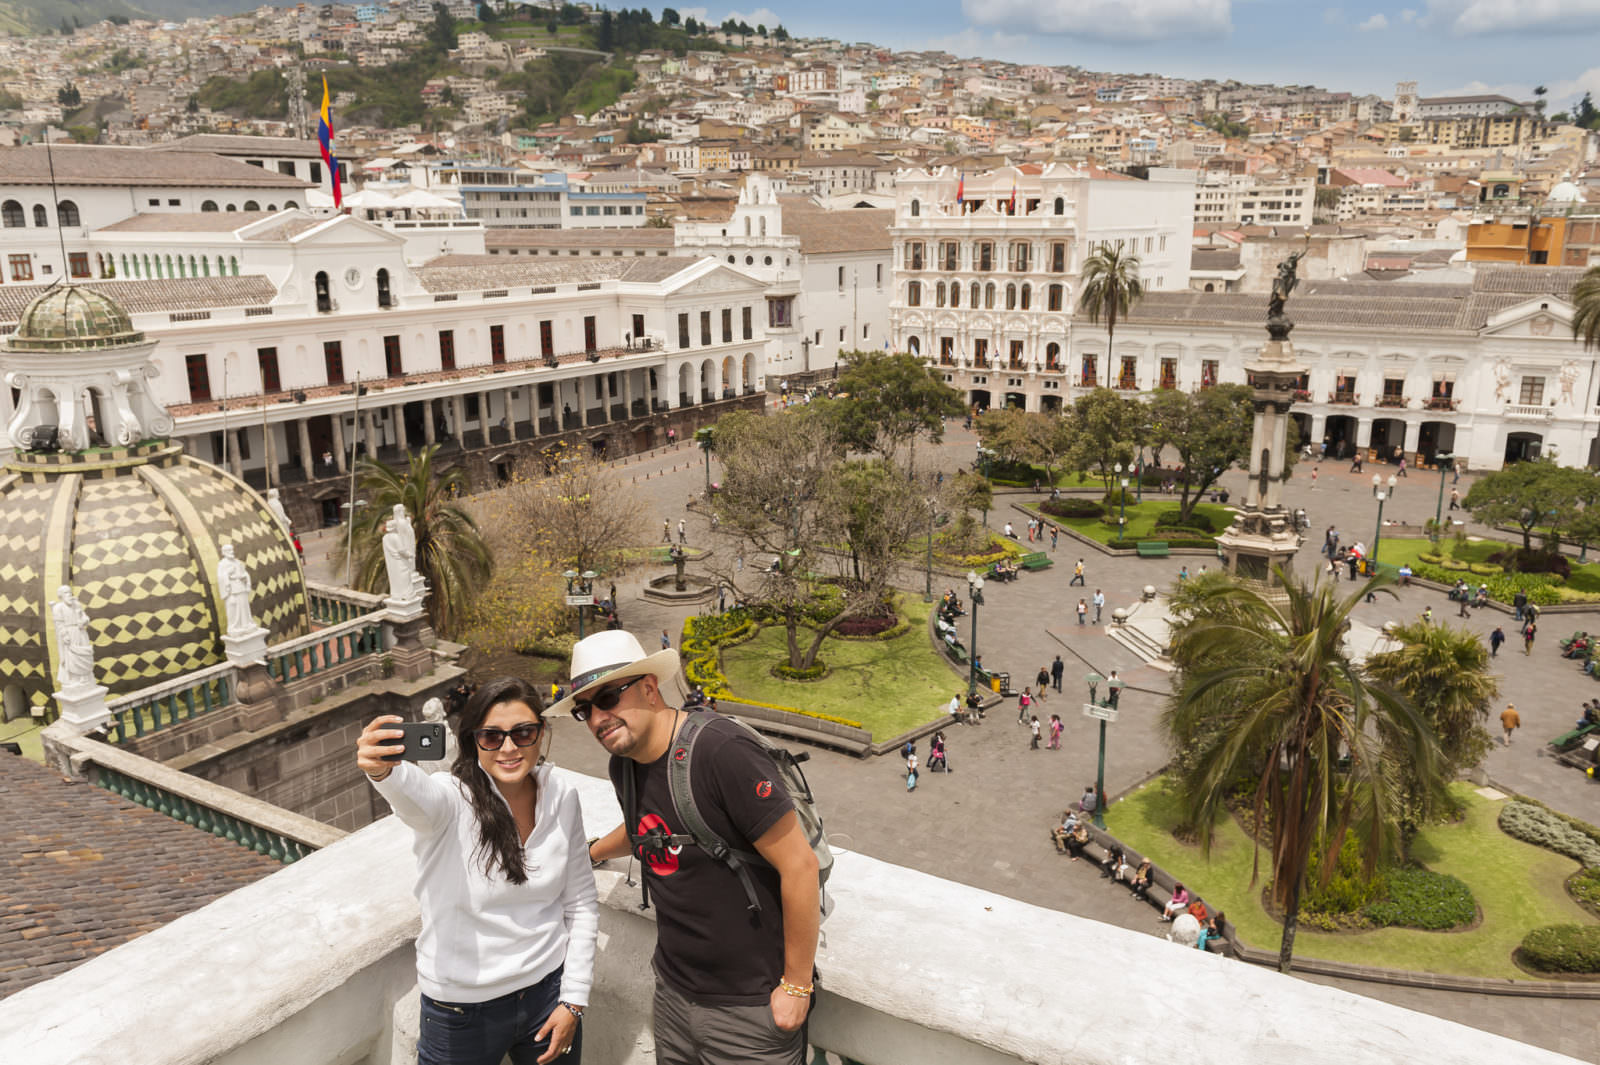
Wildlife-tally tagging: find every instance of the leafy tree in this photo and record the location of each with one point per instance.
(1210, 431)
(66, 26)
(780, 33)
(10, 101)
(1540, 92)
(692, 28)
(1103, 429)
(670, 16)
(552, 27)
(1588, 116)
(1444, 673)
(442, 31)
(605, 38)
(572, 15)
(892, 398)
(192, 106)
(68, 96)
(1269, 701)
(1527, 495)
(761, 29)
(1111, 287)
(450, 552)
(1586, 315)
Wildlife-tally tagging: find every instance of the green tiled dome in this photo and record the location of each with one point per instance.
(71, 317)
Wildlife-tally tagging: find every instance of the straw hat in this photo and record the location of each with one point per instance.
(611, 656)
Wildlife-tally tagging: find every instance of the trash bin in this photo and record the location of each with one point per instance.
(994, 683)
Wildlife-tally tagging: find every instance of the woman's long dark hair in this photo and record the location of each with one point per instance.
(498, 844)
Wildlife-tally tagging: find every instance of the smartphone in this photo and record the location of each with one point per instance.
(424, 741)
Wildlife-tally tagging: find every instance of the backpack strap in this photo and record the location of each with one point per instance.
(680, 784)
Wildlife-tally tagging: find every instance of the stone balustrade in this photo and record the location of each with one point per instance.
(315, 965)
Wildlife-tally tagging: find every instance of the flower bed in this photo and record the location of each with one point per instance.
(702, 644)
(1562, 948)
(1545, 828)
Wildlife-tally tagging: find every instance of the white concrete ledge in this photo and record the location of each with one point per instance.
(306, 966)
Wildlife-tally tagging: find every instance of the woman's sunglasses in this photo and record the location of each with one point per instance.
(602, 700)
(492, 739)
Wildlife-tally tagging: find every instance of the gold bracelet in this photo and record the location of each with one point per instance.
(795, 990)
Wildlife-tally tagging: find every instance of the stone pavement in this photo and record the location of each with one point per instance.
(986, 823)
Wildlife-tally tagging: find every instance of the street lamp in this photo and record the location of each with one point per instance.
(1446, 462)
(1381, 492)
(927, 588)
(1106, 711)
(580, 592)
(975, 592)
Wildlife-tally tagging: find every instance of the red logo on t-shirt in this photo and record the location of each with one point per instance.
(663, 862)
(677, 755)
(764, 789)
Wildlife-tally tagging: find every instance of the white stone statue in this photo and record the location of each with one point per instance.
(400, 557)
(433, 710)
(234, 580)
(72, 641)
(1502, 381)
(275, 505)
(1569, 378)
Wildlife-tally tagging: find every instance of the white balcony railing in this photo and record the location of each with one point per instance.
(1529, 412)
(315, 965)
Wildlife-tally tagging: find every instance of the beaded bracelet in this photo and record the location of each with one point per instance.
(795, 990)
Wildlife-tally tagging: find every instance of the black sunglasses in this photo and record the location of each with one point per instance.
(604, 700)
(492, 739)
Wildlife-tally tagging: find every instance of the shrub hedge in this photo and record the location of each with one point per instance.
(1072, 507)
(1544, 828)
(1562, 948)
(1585, 887)
(1419, 898)
(815, 671)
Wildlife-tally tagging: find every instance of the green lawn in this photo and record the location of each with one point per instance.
(1397, 550)
(1141, 520)
(889, 686)
(25, 733)
(1518, 887)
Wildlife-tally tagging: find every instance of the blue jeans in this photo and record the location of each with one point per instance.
(482, 1033)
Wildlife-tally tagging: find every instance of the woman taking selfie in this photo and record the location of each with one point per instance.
(509, 911)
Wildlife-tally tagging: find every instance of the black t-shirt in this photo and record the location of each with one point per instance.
(710, 946)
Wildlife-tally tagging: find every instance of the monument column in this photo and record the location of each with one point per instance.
(337, 421)
(307, 459)
(398, 416)
(428, 414)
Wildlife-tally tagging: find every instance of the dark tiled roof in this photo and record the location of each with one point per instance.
(204, 222)
(1214, 259)
(94, 164)
(641, 236)
(822, 231)
(229, 144)
(1529, 280)
(82, 871)
(468, 273)
(1335, 303)
(142, 297)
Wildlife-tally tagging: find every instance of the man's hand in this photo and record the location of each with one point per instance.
(789, 1011)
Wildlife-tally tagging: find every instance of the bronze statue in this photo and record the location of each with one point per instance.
(1277, 325)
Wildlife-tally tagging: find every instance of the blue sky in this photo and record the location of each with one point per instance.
(1447, 46)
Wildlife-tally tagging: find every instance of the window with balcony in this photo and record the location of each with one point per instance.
(1128, 377)
(1208, 373)
(948, 251)
(393, 365)
(267, 363)
(947, 351)
(1052, 356)
(78, 264)
(1058, 257)
(1530, 393)
(1020, 256)
(1394, 392)
(547, 342)
(980, 354)
(1443, 395)
(914, 255)
(1169, 373)
(983, 253)
(447, 349)
(1089, 377)
(199, 378)
(333, 361)
(1344, 389)
(1014, 361)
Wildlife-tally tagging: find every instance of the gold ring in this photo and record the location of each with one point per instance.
(567, 1049)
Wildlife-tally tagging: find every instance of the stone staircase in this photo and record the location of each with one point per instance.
(1146, 632)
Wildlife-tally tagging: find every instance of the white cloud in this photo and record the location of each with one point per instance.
(1408, 16)
(974, 42)
(697, 13)
(1475, 17)
(761, 16)
(1376, 22)
(1108, 20)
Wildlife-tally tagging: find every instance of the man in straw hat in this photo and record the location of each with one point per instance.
(729, 965)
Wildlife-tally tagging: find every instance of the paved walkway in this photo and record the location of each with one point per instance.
(986, 823)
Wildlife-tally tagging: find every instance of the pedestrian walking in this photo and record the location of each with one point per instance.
(1510, 721)
(911, 769)
(683, 533)
(1314, 470)
(1333, 571)
(1057, 668)
(1529, 631)
(1077, 574)
(1054, 532)
(1401, 472)
(1455, 499)
(1043, 681)
(1355, 465)
(1496, 638)
(1183, 573)
(1083, 611)
(1024, 702)
(1099, 604)
(1520, 602)
(666, 641)
(666, 531)
(1033, 727)
(1055, 732)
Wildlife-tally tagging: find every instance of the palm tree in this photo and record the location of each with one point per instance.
(1111, 287)
(451, 554)
(1586, 300)
(1444, 673)
(1270, 702)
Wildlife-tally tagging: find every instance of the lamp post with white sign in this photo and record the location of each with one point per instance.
(1105, 711)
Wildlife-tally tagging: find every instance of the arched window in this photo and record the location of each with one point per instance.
(955, 293)
(41, 217)
(324, 298)
(916, 208)
(1052, 356)
(938, 295)
(272, 207)
(747, 226)
(222, 271)
(988, 296)
(209, 205)
(1011, 297)
(1061, 205)
(763, 227)
(251, 205)
(67, 214)
(194, 268)
(914, 345)
(231, 207)
(1054, 303)
(1027, 296)
(11, 215)
(180, 267)
(1210, 287)
(385, 299)
(913, 293)
(976, 296)
(290, 205)
(169, 266)
(205, 266)
(125, 264)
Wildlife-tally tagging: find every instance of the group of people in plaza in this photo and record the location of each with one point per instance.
(510, 916)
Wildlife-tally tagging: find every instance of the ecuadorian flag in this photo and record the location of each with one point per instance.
(325, 139)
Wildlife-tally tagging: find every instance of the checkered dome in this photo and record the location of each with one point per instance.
(136, 533)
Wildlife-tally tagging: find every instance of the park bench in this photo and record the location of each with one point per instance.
(997, 574)
(1568, 740)
(1036, 561)
(1153, 549)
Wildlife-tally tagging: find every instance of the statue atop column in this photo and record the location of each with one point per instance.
(72, 641)
(1278, 326)
(275, 507)
(406, 585)
(233, 577)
